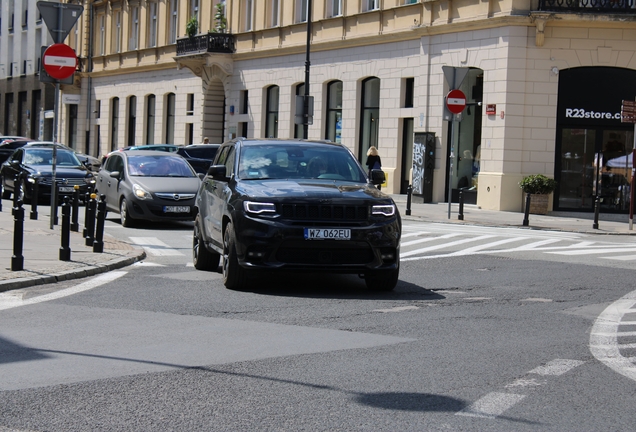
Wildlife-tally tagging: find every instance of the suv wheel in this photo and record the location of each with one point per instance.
(202, 258)
(126, 220)
(234, 277)
(382, 280)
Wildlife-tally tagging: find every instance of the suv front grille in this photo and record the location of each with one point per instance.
(325, 212)
(319, 255)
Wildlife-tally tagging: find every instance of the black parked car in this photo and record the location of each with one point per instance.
(35, 161)
(200, 156)
(295, 206)
(9, 144)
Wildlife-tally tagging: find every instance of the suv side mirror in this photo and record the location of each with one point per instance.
(377, 176)
(218, 172)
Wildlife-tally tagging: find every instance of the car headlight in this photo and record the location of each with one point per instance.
(259, 207)
(140, 192)
(383, 210)
(89, 180)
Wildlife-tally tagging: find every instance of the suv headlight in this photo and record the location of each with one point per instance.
(140, 192)
(259, 207)
(383, 210)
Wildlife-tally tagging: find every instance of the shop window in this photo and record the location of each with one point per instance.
(72, 126)
(132, 120)
(271, 123)
(170, 120)
(334, 112)
(150, 119)
(114, 123)
(189, 133)
(370, 120)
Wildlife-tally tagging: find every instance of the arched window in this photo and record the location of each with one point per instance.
(114, 120)
(369, 122)
(132, 120)
(333, 129)
(271, 123)
(150, 119)
(170, 100)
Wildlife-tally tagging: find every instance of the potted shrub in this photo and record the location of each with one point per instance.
(539, 187)
(192, 27)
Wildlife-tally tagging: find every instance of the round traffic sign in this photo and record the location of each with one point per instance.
(456, 101)
(59, 61)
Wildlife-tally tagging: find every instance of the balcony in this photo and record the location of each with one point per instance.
(208, 43)
(589, 6)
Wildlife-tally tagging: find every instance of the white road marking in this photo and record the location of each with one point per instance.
(147, 264)
(594, 251)
(531, 246)
(428, 239)
(415, 234)
(8, 301)
(621, 258)
(474, 249)
(492, 405)
(445, 245)
(556, 367)
(396, 309)
(154, 246)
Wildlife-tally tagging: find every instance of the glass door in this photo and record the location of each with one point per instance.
(576, 185)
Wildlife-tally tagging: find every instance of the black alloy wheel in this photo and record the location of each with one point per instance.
(202, 258)
(234, 277)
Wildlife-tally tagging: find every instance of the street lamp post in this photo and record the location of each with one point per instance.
(307, 66)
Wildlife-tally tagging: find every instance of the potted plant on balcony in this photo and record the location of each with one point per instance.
(539, 187)
(219, 17)
(192, 27)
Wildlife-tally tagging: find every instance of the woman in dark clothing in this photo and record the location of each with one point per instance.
(373, 160)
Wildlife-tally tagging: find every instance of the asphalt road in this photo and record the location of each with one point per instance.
(487, 330)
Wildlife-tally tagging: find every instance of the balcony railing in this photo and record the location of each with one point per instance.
(207, 43)
(589, 6)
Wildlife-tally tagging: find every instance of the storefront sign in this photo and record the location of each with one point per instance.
(71, 99)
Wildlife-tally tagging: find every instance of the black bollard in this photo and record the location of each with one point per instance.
(90, 221)
(98, 244)
(87, 197)
(54, 202)
(597, 205)
(34, 200)
(460, 216)
(75, 208)
(16, 189)
(526, 215)
(409, 192)
(65, 250)
(17, 260)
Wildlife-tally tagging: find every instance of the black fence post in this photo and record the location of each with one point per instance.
(65, 250)
(34, 199)
(87, 198)
(460, 216)
(75, 208)
(98, 244)
(17, 260)
(409, 193)
(90, 221)
(597, 208)
(526, 214)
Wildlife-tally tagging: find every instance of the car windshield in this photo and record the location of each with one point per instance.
(159, 166)
(44, 156)
(276, 161)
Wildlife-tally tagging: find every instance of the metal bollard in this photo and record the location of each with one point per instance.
(75, 208)
(54, 201)
(87, 197)
(34, 200)
(526, 215)
(65, 250)
(16, 189)
(98, 244)
(597, 207)
(460, 215)
(90, 221)
(17, 260)
(409, 193)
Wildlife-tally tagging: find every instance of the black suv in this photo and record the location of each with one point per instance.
(294, 205)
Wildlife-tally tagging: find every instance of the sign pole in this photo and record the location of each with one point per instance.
(54, 162)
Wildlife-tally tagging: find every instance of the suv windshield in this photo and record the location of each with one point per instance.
(298, 162)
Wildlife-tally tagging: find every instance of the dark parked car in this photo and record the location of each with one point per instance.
(35, 161)
(171, 148)
(295, 206)
(200, 156)
(148, 185)
(9, 144)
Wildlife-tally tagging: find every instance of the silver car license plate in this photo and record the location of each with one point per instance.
(327, 234)
(176, 209)
(66, 189)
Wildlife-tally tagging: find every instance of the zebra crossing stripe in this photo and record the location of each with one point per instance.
(429, 239)
(621, 258)
(486, 246)
(492, 405)
(445, 245)
(154, 246)
(593, 251)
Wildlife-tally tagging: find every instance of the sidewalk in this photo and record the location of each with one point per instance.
(42, 245)
(41, 251)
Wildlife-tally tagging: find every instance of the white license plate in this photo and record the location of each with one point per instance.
(176, 209)
(327, 234)
(67, 189)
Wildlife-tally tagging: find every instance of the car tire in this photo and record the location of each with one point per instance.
(202, 258)
(5, 193)
(382, 280)
(234, 277)
(126, 220)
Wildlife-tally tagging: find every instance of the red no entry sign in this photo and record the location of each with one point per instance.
(59, 61)
(456, 101)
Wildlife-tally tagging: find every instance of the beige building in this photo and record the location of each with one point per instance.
(543, 84)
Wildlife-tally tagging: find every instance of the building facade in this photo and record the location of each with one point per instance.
(543, 79)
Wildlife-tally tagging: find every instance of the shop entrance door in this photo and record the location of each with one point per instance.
(594, 161)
